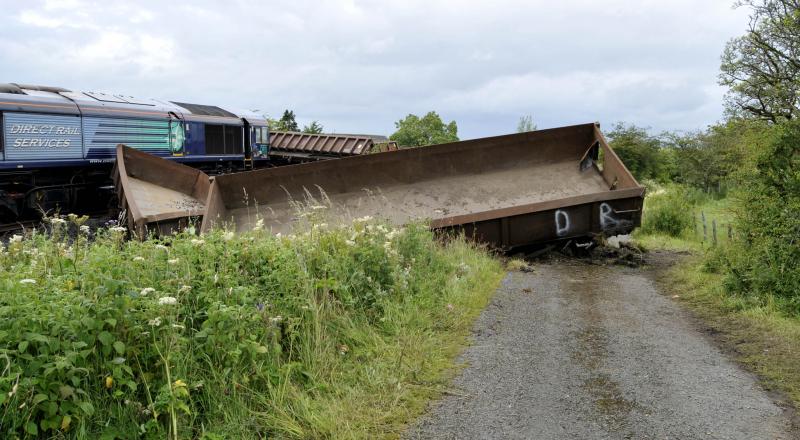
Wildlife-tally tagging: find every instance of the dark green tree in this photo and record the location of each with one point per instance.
(413, 131)
(314, 127)
(640, 151)
(762, 67)
(287, 122)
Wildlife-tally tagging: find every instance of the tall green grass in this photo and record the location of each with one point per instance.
(329, 333)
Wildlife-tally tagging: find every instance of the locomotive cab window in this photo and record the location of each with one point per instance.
(223, 139)
(261, 135)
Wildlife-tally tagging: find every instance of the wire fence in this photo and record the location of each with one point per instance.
(710, 231)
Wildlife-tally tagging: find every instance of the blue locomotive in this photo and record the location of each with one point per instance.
(57, 146)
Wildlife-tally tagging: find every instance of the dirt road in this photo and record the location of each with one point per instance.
(576, 351)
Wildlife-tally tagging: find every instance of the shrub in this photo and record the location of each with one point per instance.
(766, 259)
(669, 210)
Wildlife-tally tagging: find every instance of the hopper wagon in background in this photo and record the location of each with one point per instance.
(288, 147)
(510, 191)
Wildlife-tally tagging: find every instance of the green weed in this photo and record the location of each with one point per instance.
(328, 333)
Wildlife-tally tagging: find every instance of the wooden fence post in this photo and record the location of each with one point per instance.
(714, 231)
(705, 233)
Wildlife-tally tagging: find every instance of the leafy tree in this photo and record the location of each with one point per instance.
(286, 122)
(526, 124)
(709, 160)
(762, 67)
(640, 151)
(314, 128)
(413, 131)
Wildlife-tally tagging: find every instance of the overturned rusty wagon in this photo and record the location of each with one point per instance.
(156, 194)
(510, 190)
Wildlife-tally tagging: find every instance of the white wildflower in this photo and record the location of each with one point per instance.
(216, 278)
(146, 291)
(15, 238)
(393, 234)
(173, 261)
(350, 242)
(138, 258)
(155, 322)
(57, 221)
(364, 219)
(228, 236)
(276, 319)
(85, 229)
(168, 300)
(178, 326)
(162, 247)
(184, 289)
(118, 229)
(27, 281)
(198, 242)
(259, 225)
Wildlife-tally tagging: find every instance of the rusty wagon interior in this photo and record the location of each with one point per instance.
(482, 185)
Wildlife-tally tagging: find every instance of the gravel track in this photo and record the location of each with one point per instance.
(577, 351)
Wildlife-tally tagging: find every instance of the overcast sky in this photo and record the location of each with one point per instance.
(359, 66)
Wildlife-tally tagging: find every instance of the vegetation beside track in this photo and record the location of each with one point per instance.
(330, 333)
(759, 328)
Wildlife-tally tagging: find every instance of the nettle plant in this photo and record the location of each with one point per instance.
(164, 338)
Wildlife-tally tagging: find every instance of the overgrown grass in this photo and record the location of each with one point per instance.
(673, 219)
(330, 333)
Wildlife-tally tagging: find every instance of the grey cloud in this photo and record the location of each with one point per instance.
(358, 66)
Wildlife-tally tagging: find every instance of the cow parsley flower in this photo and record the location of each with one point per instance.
(173, 261)
(167, 300)
(118, 229)
(184, 289)
(155, 322)
(15, 238)
(138, 258)
(27, 281)
(146, 291)
(198, 242)
(84, 229)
